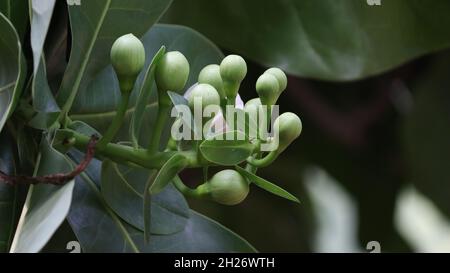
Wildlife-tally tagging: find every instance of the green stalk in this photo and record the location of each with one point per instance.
(257, 155)
(121, 153)
(250, 168)
(117, 120)
(231, 101)
(263, 162)
(199, 192)
(171, 145)
(161, 118)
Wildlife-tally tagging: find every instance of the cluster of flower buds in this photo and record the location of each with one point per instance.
(218, 85)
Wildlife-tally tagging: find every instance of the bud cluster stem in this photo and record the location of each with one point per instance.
(161, 118)
(117, 121)
(265, 161)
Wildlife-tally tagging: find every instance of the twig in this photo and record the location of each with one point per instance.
(57, 178)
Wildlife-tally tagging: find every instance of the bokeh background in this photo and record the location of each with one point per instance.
(371, 85)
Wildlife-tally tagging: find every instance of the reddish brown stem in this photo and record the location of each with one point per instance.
(57, 178)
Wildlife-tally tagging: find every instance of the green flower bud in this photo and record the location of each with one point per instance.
(228, 187)
(206, 92)
(253, 102)
(232, 70)
(252, 108)
(172, 72)
(210, 74)
(268, 89)
(281, 77)
(127, 59)
(287, 128)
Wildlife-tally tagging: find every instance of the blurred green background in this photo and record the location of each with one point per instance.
(372, 163)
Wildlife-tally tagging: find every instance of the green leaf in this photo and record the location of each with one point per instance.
(17, 13)
(266, 185)
(8, 194)
(95, 25)
(123, 188)
(325, 39)
(218, 149)
(46, 206)
(99, 229)
(43, 99)
(43, 120)
(41, 14)
(144, 96)
(168, 171)
(27, 148)
(96, 105)
(12, 69)
(83, 128)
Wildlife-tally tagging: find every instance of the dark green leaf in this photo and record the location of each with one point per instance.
(100, 230)
(83, 128)
(266, 185)
(326, 39)
(220, 150)
(46, 206)
(17, 13)
(27, 149)
(43, 120)
(153, 186)
(43, 99)
(123, 190)
(144, 96)
(12, 67)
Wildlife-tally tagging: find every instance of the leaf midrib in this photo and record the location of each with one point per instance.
(125, 181)
(106, 113)
(160, 205)
(169, 209)
(7, 86)
(114, 217)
